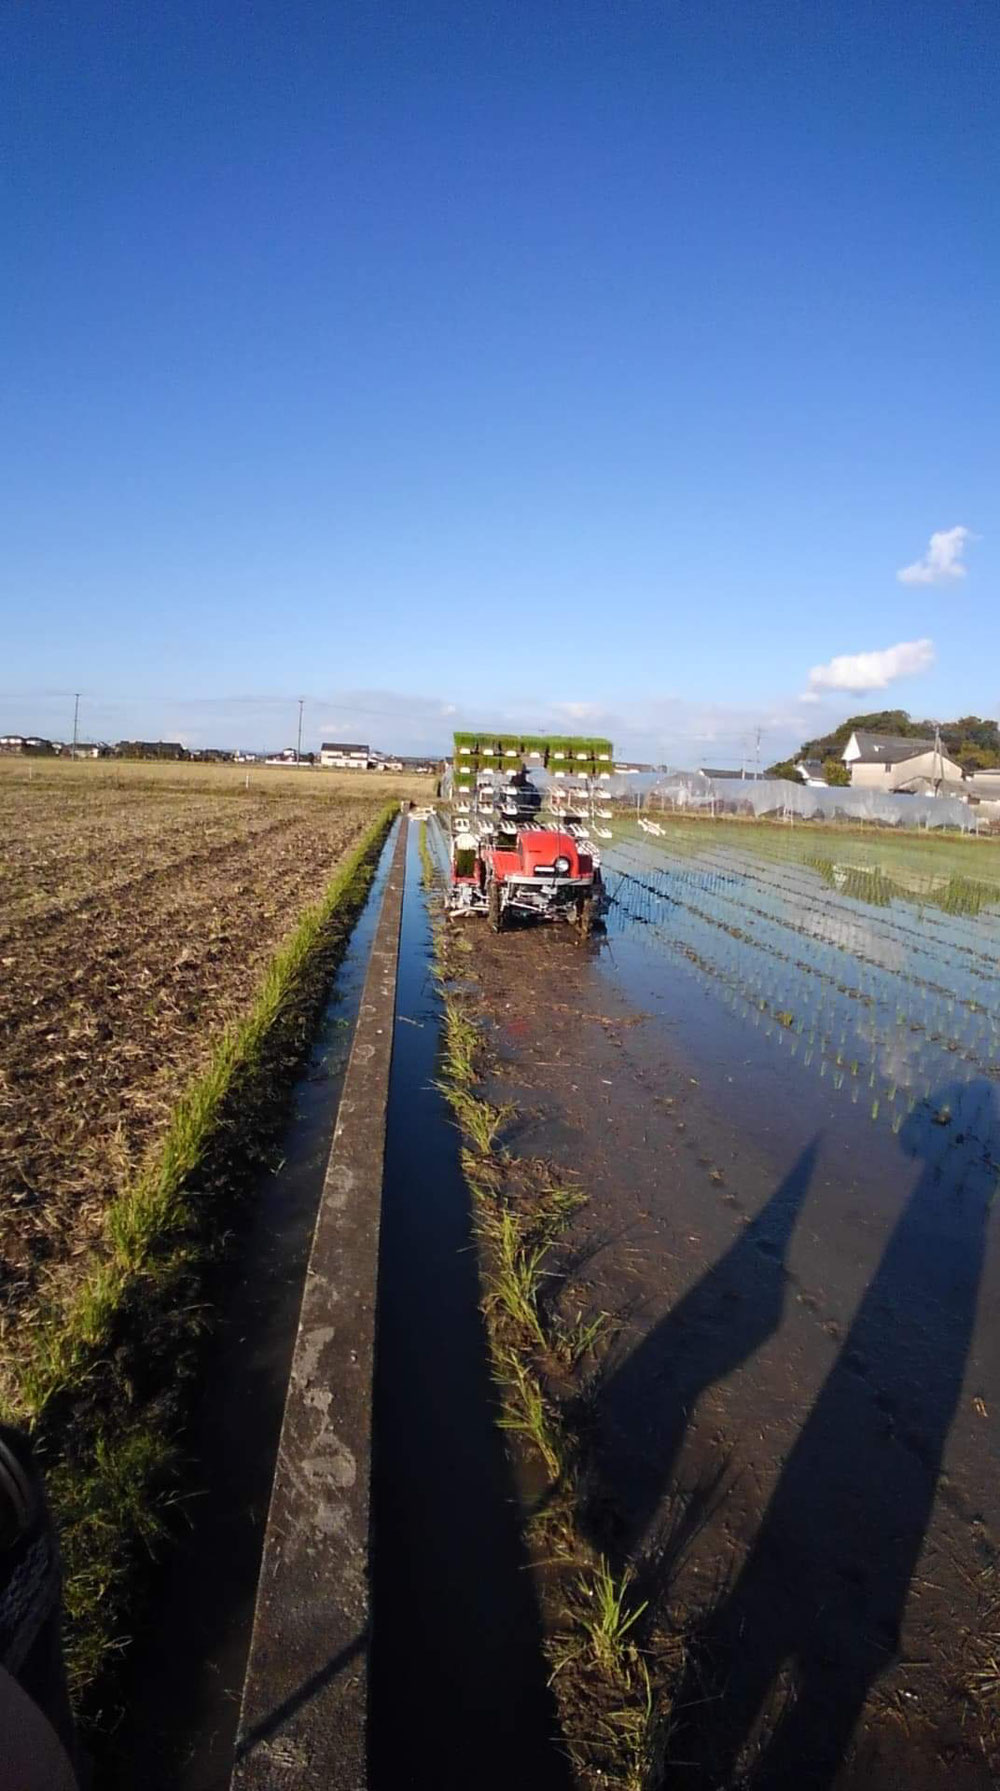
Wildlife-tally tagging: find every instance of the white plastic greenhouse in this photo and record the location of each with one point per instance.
(652, 791)
(778, 797)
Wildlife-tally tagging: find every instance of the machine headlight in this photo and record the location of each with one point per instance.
(561, 866)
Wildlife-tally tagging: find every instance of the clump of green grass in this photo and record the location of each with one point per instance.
(607, 1614)
(108, 1501)
(526, 1412)
(516, 1275)
(620, 1724)
(480, 1120)
(461, 1045)
(579, 1338)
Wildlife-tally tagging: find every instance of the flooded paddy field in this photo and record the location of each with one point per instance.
(777, 1077)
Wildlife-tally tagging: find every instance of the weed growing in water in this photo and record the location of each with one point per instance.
(579, 1339)
(479, 1120)
(515, 1280)
(607, 1614)
(525, 1411)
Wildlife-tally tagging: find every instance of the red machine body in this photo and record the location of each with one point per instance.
(538, 872)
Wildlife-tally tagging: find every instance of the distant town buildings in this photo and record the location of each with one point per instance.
(25, 743)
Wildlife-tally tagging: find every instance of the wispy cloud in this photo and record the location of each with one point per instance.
(668, 730)
(942, 563)
(858, 672)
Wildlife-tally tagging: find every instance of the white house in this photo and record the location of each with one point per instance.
(888, 762)
(341, 755)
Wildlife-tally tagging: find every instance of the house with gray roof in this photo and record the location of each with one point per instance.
(813, 773)
(892, 762)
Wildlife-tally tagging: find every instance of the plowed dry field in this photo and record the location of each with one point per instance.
(135, 922)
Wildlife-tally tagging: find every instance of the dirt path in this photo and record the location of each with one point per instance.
(797, 1411)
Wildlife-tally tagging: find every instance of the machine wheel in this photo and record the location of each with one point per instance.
(495, 907)
(585, 916)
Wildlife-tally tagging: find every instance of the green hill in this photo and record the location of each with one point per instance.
(972, 741)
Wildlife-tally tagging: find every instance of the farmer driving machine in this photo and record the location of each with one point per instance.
(524, 822)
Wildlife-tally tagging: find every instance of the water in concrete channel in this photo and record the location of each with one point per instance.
(459, 1691)
(188, 1668)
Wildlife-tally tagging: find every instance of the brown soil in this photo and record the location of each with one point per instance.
(749, 1451)
(134, 927)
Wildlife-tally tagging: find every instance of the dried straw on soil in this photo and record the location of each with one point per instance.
(134, 926)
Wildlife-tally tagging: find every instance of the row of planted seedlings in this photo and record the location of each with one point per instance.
(971, 958)
(870, 1043)
(872, 1009)
(935, 923)
(855, 1071)
(951, 878)
(957, 1008)
(959, 1002)
(899, 853)
(956, 924)
(614, 1658)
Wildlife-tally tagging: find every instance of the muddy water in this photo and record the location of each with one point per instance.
(834, 1364)
(188, 1670)
(458, 1693)
(807, 1016)
(781, 1099)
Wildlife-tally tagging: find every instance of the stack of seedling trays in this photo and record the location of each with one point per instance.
(486, 762)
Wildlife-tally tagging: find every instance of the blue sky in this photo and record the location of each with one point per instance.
(449, 362)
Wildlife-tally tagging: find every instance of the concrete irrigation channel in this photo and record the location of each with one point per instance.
(352, 1607)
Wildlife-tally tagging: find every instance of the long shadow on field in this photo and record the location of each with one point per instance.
(644, 1407)
(814, 1617)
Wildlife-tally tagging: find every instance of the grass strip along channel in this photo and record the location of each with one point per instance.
(615, 1660)
(105, 1381)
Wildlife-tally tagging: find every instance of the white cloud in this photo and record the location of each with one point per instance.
(858, 672)
(669, 729)
(942, 562)
(580, 711)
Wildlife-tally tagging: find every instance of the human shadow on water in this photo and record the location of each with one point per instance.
(643, 1407)
(814, 1616)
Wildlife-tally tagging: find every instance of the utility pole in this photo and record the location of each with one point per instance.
(938, 767)
(757, 754)
(76, 720)
(298, 749)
